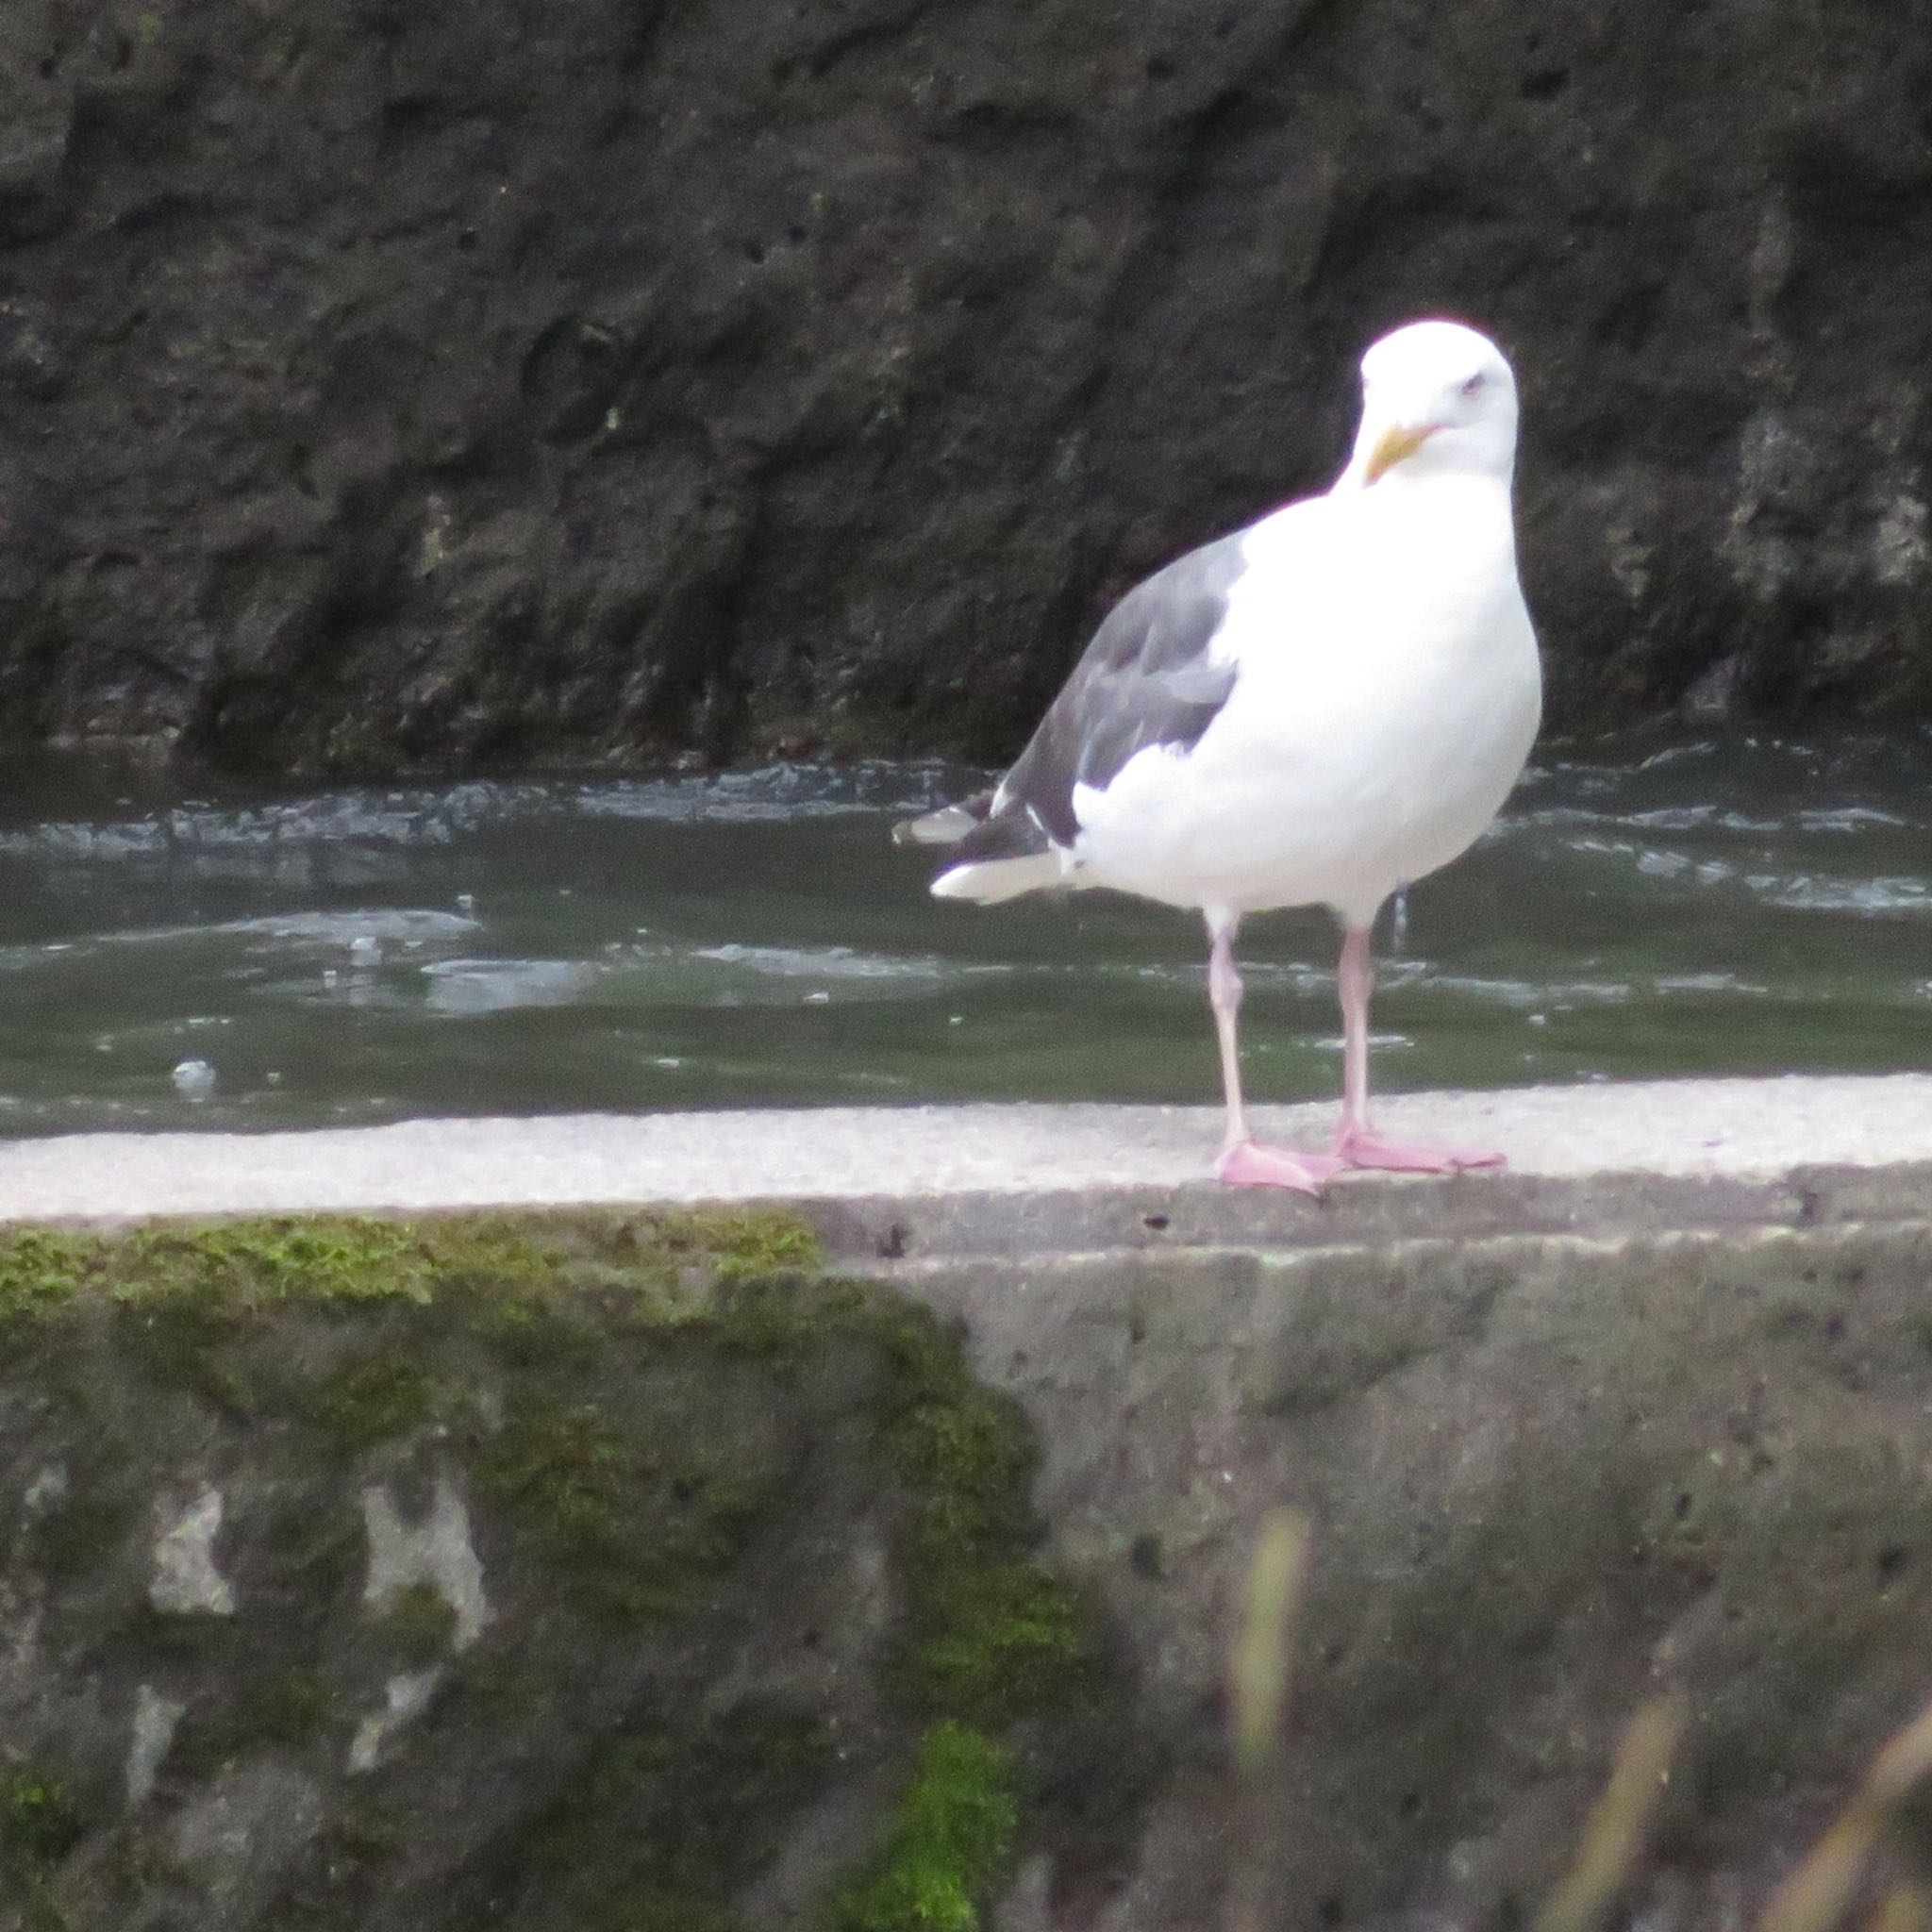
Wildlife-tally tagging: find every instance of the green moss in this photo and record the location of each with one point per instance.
(342, 1262)
(44, 1912)
(994, 1634)
(993, 1640)
(562, 1472)
(40, 1820)
(420, 1625)
(664, 1825)
(949, 1843)
(633, 1523)
(186, 1299)
(41, 1269)
(371, 1399)
(782, 1324)
(242, 1265)
(294, 1709)
(186, 1339)
(570, 1478)
(549, 1335)
(963, 1450)
(746, 1244)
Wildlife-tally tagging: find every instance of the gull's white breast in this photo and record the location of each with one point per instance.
(1388, 695)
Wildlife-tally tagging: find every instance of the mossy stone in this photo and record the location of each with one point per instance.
(40, 1818)
(950, 1836)
(620, 1399)
(371, 1398)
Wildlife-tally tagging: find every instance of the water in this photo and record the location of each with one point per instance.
(1751, 905)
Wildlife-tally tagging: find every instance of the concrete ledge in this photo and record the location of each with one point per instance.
(901, 1185)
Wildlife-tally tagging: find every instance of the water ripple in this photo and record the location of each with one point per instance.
(1744, 904)
(428, 817)
(463, 987)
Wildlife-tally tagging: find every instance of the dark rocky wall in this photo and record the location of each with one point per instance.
(507, 378)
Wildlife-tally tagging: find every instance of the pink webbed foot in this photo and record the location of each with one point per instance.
(1248, 1164)
(1360, 1147)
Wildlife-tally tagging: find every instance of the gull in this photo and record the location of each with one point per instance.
(1316, 710)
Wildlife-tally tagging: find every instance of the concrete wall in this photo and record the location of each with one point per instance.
(445, 1571)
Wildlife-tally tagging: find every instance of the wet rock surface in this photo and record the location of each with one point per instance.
(386, 387)
(620, 1570)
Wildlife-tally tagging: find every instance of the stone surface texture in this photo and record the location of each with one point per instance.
(1548, 1480)
(387, 385)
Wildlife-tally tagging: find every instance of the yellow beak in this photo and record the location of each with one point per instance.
(1396, 443)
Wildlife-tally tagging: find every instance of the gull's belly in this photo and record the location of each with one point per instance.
(1328, 787)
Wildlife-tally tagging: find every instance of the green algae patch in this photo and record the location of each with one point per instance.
(949, 1840)
(994, 1639)
(41, 1821)
(39, 1269)
(251, 1264)
(371, 1399)
(994, 1635)
(744, 1243)
(575, 1483)
(567, 1472)
(235, 1266)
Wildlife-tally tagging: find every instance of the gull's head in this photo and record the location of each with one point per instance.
(1438, 399)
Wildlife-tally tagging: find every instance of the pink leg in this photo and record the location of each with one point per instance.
(1356, 1142)
(1244, 1161)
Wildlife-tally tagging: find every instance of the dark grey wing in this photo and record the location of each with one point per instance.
(1145, 679)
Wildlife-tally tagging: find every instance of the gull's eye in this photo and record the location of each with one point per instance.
(1473, 384)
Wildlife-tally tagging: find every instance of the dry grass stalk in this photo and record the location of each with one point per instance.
(1258, 1674)
(1613, 1840)
(1263, 1651)
(1817, 1895)
(1904, 1908)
